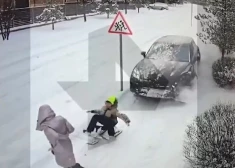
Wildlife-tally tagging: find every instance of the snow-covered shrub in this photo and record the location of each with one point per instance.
(210, 139)
(223, 71)
(107, 8)
(172, 1)
(50, 13)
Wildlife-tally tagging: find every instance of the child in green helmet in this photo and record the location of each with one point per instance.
(107, 116)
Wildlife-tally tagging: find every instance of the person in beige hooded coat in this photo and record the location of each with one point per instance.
(57, 130)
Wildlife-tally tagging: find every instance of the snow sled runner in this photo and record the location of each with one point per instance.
(94, 140)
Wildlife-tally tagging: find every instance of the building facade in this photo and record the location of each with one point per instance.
(37, 3)
(33, 3)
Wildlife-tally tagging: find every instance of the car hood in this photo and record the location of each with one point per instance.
(169, 69)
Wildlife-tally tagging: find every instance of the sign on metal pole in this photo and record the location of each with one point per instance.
(120, 26)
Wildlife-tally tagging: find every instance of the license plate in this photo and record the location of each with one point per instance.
(156, 93)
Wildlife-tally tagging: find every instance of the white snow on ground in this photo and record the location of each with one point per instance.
(155, 136)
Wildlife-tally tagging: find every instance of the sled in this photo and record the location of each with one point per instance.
(97, 138)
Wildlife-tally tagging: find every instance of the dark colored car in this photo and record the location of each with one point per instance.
(169, 63)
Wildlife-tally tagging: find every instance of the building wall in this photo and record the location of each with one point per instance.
(37, 3)
(17, 3)
(44, 2)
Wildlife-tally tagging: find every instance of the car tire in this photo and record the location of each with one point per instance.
(185, 80)
(194, 73)
(198, 55)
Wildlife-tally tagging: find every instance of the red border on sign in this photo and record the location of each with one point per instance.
(114, 21)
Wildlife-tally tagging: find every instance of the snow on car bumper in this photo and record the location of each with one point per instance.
(154, 93)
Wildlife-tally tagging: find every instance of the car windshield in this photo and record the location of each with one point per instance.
(169, 52)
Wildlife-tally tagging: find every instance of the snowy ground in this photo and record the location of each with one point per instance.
(156, 134)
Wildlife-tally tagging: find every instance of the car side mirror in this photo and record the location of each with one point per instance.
(143, 53)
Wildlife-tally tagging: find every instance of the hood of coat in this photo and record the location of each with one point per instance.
(45, 114)
(47, 118)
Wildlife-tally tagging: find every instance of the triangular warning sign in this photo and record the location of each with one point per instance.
(120, 26)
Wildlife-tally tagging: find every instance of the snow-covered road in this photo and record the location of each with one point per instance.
(34, 61)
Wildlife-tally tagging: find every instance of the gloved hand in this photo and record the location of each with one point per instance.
(50, 150)
(91, 111)
(125, 119)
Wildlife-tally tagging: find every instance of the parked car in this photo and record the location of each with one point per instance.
(158, 6)
(169, 64)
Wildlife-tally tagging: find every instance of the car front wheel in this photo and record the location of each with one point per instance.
(198, 55)
(185, 80)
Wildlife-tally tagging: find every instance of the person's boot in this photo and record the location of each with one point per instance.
(100, 131)
(77, 165)
(97, 128)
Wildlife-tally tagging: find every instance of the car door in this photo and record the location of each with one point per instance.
(192, 60)
(195, 50)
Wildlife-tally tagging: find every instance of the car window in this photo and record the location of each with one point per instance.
(169, 52)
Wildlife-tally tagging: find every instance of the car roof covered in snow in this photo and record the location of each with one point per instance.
(175, 39)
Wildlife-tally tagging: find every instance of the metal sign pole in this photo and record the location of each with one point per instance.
(120, 26)
(191, 14)
(121, 63)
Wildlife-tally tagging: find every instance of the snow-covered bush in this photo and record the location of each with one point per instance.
(223, 71)
(107, 8)
(172, 1)
(210, 140)
(52, 12)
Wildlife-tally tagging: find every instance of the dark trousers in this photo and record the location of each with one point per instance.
(108, 124)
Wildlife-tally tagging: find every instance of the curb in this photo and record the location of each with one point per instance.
(45, 24)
